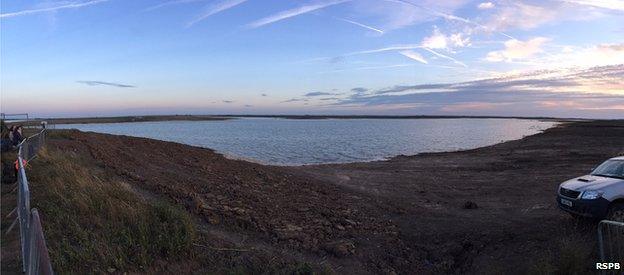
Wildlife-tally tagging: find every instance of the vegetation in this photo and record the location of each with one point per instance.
(95, 225)
(571, 255)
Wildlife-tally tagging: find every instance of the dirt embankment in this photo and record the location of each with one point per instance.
(475, 211)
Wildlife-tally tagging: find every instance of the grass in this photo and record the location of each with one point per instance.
(573, 254)
(94, 225)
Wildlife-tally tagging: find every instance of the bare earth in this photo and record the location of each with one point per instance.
(488, 210)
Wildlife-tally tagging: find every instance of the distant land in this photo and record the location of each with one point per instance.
(147, 118)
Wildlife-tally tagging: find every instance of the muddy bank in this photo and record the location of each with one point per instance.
(481, 210)
(121, 119)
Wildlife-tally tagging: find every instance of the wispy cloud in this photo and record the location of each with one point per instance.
(516, 49)
(361, 25)
(294, 100)
(72, 5)
(448, 16)
(485, 5)
(214, 9)
(294, 12)
(98, 83)
(605, 4)
(228, 101)
(549, 82)
(439, 40)
(314, 94)
(568, 90)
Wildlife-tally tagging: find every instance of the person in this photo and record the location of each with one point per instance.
(17, 135)
(11, 129)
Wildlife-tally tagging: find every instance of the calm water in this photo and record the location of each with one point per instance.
(294, 142)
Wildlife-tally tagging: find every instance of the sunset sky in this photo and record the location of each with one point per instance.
(405, 57)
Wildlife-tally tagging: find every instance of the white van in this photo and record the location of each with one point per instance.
(599, 195)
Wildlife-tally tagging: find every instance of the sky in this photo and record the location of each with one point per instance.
(562, 58)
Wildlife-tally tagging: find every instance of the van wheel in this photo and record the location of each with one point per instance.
(616, 213)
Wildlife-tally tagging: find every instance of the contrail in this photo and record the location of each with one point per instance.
(360, 24)
(414, 55)
(292, 13)
(446, 57)
(67, 6)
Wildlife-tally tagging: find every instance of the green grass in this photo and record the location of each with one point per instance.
(97, 225)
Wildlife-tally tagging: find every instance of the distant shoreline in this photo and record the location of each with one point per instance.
(123, 119)
(154, 118)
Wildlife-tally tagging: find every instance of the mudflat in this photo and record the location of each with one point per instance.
(487, 210)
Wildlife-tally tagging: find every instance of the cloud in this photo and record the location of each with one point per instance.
(263, 95)
(580, 88)
(228, 101)
(485, 5)
(617, 5)
(98, 83)
(597, 55)
(294, 100)
(361, 25)
(359, 90)
(413, 55)
(517, 50)
(248, 106)
(293, 12)
(396, 14)
(313, 94)
(438, 40)
(517, 15)
(214, 9)
(71, 5)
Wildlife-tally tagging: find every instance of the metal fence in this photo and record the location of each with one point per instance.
(35, 259)
(611, 241)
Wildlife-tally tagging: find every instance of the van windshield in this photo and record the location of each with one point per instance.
(610, 168)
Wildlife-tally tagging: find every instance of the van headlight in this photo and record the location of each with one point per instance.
(591, 194)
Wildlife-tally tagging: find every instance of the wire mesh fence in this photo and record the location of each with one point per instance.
(23, 207)
(30, 147)
(38, 259)
(35, 258)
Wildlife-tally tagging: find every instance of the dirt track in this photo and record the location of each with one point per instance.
(406, 215)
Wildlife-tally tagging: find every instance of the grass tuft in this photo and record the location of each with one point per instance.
(95, 225)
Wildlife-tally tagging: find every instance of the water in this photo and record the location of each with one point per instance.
(296, 142)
